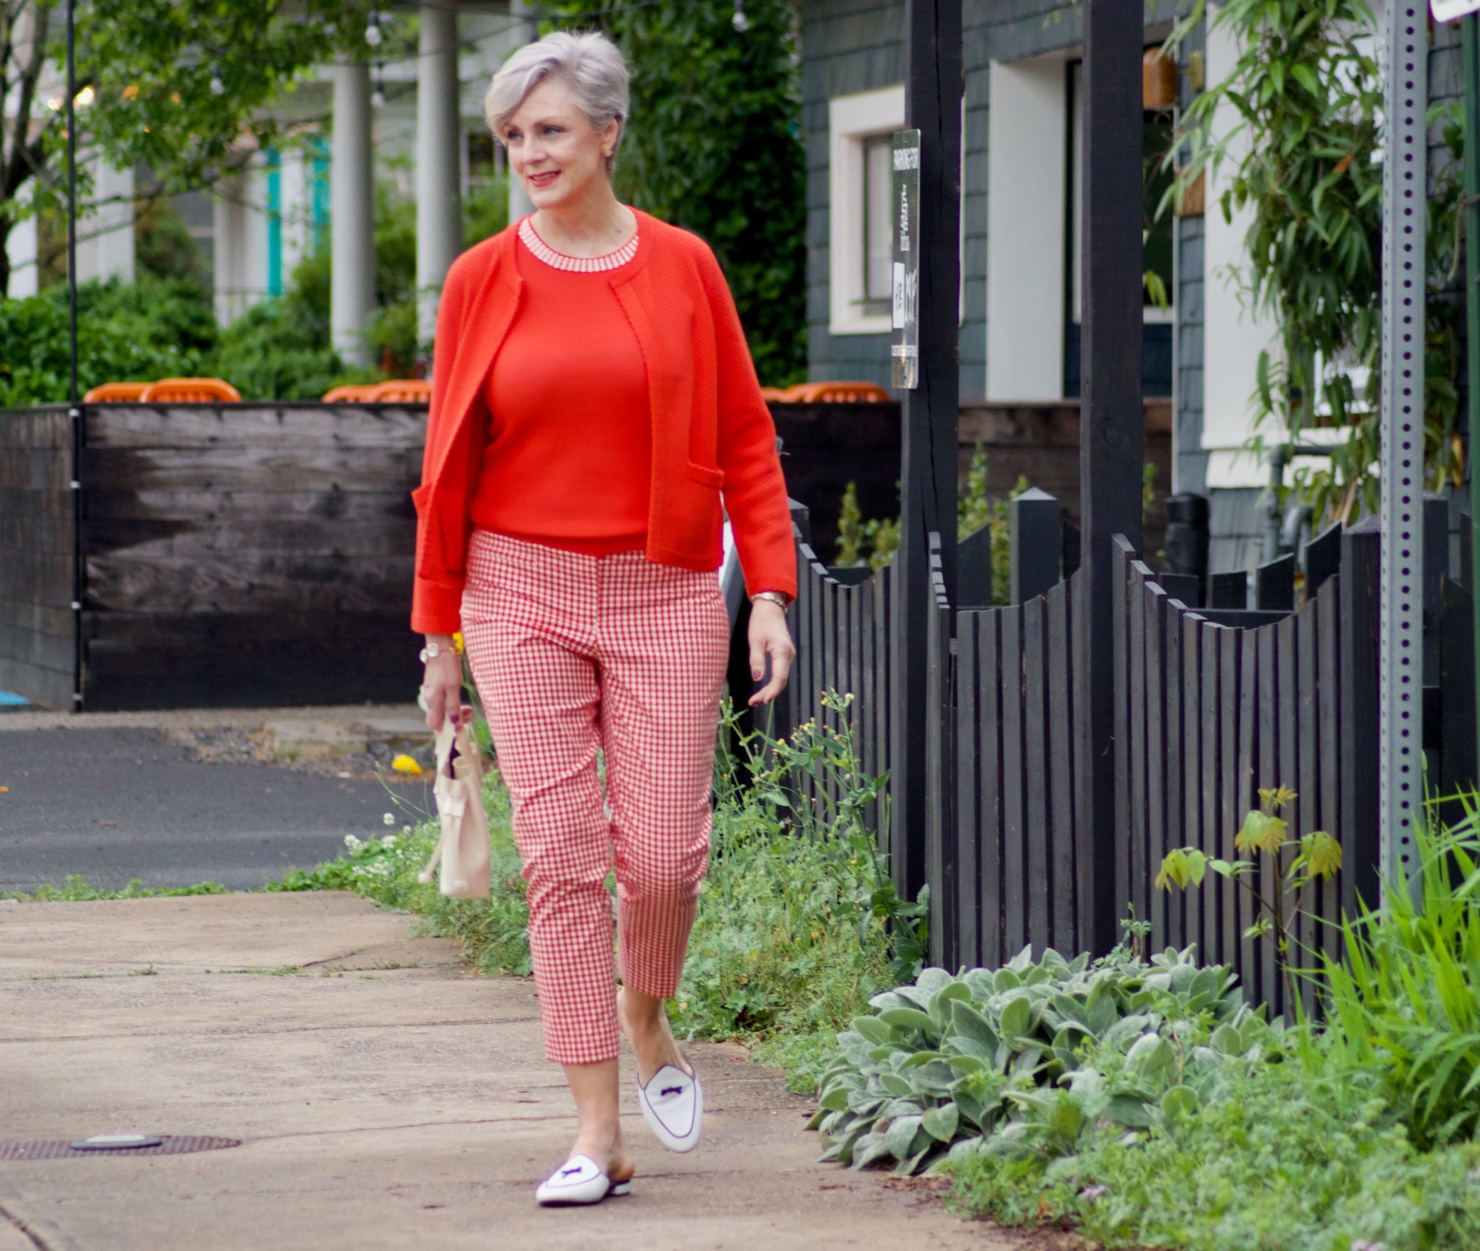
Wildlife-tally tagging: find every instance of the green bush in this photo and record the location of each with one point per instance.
(152, 329)
(1036, 1059)
(1280, 1160)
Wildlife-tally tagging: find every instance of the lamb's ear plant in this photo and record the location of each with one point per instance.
(1034, 1058)
(1296, 863)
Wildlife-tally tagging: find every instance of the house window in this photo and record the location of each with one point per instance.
(861, 234)
(878, 234)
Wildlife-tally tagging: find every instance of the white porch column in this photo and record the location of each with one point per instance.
(352, 292)
(105, 236)
(21, 251)
(438, 161)
(525, 32)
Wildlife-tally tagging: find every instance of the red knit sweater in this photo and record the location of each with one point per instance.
(711, 431)
(569, 449)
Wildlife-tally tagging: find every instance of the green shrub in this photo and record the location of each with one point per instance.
(153, 329)
(1035, 1059)
(1281, 1160)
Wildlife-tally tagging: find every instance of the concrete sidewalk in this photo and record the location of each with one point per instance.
(383, 1098)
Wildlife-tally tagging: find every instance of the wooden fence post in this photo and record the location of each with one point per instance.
(1361, 563)
(1111, 437)
(1035, 540)
(933, 90)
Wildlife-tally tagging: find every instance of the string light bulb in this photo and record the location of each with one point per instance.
(373, 35)
(740, 22)
(377, 94)
(218, 88)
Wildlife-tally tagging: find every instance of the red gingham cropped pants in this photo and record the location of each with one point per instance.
(572, 653)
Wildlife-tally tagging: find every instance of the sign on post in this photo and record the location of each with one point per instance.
(905, 287)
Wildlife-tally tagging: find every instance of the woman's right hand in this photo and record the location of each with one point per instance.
(441, 685)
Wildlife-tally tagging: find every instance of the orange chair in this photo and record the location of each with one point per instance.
(191, 391)
(116, 393)
(402, 391)
(774, 395)
(353, 393)
(837, 393)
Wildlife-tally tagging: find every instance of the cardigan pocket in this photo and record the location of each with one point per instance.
(705, 476)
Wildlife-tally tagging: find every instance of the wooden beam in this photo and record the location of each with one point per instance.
(933, 91)
(1111, 445)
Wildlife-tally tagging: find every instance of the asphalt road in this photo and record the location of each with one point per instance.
(114, 804)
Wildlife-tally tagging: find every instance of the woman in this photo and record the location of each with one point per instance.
(593, 401)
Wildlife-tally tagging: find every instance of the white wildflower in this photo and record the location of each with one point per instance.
(352, 842)
(388, 819)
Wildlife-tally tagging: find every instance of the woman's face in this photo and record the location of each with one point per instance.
(553, 148)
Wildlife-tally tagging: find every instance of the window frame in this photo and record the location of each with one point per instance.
(852, 121)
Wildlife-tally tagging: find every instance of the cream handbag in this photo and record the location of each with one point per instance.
(461, 853)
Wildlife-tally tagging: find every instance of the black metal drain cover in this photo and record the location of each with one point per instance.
(63, 1149)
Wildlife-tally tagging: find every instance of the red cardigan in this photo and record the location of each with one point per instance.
(712, 431)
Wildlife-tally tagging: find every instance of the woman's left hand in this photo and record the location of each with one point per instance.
(769, 637)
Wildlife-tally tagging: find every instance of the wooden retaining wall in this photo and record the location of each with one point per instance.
(248, 554)
(37, 631)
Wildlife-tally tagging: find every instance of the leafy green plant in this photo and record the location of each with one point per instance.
(1306, 94)
(1296, 863)
(1034, 1059)
(873, 542)
(1280, 1159)
(1404, 1003)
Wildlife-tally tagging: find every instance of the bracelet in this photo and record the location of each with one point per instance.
(774, 597)
(432, 650)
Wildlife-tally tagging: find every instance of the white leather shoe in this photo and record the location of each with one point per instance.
(673, 1106)
(580, 1180)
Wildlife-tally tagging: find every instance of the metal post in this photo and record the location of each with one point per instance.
(1405, 196)
(73, 401)
(1470, 53)
(1111, 433)
(933, 91)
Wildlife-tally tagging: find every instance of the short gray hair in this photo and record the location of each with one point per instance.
(589, 61)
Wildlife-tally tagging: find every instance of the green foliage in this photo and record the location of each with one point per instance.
(1404, 1004)
(874, 542)
(150, 330)
(151, 65)
(1278, 1160)
(1296, 863)
(1307, 95)
(79, 890)
(715, 146)
(1035, 1060)
(164, 247)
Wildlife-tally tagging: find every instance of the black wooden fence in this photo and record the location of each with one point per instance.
(1211, 704)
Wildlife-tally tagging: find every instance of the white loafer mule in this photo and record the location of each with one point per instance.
(580, 1180)
(673, 1106)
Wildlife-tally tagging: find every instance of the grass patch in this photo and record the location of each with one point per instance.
(77, 889)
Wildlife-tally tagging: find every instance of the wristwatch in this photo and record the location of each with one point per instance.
(432, 650)
(775, 597)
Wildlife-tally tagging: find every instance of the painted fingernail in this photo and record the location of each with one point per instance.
(756, 674)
